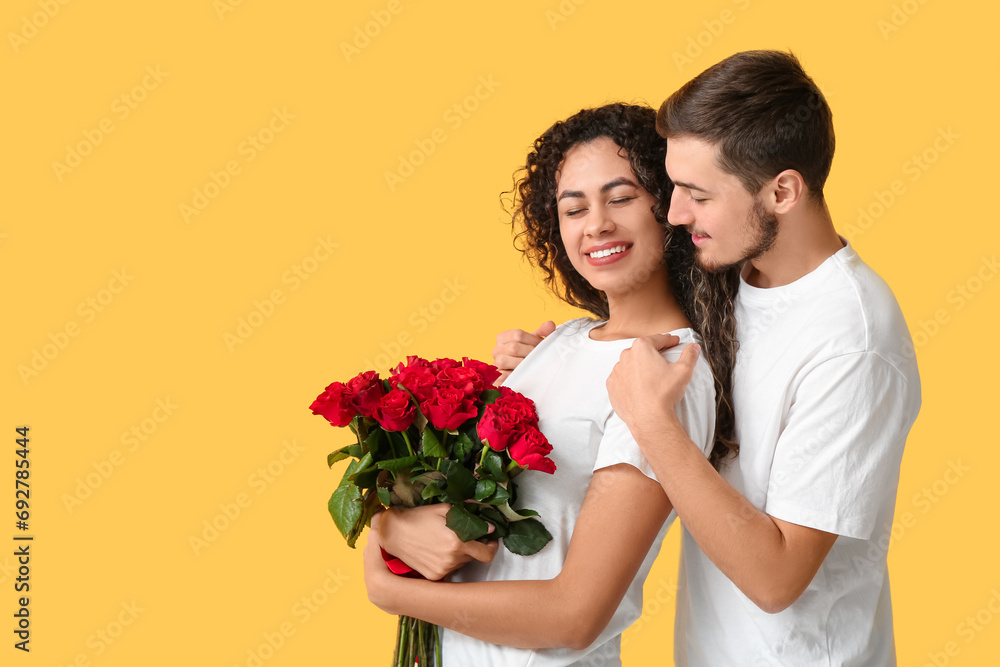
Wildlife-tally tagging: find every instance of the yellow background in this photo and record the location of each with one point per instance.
(428, 262)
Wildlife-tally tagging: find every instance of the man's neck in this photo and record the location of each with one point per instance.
(806, 239)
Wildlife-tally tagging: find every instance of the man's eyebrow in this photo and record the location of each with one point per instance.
(604, 188)
(690, 186)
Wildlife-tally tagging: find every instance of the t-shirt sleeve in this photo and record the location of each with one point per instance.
(696, 412)
(840, 449)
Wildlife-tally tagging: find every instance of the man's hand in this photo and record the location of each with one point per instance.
(514, 345)
(420, 538)
(645, 388)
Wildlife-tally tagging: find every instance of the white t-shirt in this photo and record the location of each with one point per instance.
(565, 377)
(825, 390)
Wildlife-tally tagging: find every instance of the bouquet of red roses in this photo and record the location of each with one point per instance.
(436, 432)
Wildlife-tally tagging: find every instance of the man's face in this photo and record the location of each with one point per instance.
(728, 224)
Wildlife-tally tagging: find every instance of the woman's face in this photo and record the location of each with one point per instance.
(606, 219)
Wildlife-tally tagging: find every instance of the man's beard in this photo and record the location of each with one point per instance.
(763, 229)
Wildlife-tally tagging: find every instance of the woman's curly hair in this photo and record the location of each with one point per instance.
(706, 298)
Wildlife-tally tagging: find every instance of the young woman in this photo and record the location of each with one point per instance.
(589, 204)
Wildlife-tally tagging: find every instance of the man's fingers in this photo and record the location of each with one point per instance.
(690, 354)
(663, 341)
(545, 329)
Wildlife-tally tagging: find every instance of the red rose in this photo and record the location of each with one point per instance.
(448, 408)
(366, 391)
(520, 408)
(530, 449)
(487, 372)
(439, 365)
(418, 380)
(464, 379)
(334, 404)
(411, 362)
(395, 411)
(492, 430)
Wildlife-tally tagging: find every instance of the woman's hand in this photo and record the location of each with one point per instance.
(419, 537)
(514, 345)
(378, 578)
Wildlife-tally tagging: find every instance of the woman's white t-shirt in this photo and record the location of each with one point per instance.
(565, 377)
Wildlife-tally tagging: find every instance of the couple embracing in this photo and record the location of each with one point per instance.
(770, 419)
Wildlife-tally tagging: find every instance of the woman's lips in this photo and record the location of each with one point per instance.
(607, 253)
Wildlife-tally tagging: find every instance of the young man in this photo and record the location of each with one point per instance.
(784, 550)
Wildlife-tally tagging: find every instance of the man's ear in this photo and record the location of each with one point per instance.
(784, 192)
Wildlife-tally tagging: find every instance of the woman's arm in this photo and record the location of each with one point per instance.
(619, 520)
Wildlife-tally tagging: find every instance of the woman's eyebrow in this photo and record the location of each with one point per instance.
(604, 188)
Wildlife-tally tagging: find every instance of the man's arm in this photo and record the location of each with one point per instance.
(770, 560)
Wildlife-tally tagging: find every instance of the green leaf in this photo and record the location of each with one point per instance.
(526, 537)
(494, 466)
(465, 524)
(374, 441)
(484, 489)
(515, 515)
(490, 396)
(463, 446)
(355, 451)
(395, 465)
(345, 506)
(363, 465)
(338, 455)
(366, 479)
(384, 496)
(500, 497)
(432, 444)
(430, 491)
(461, 485)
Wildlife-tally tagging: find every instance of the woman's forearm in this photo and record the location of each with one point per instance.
(618, 523)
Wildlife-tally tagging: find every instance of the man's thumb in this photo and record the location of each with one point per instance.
(545, 329)
(690, 354)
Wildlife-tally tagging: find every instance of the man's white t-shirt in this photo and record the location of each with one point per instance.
(565, 376)
(825, 390)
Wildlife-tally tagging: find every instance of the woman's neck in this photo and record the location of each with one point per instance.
(648, 310)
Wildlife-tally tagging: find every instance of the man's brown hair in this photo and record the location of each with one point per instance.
(763, 113)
